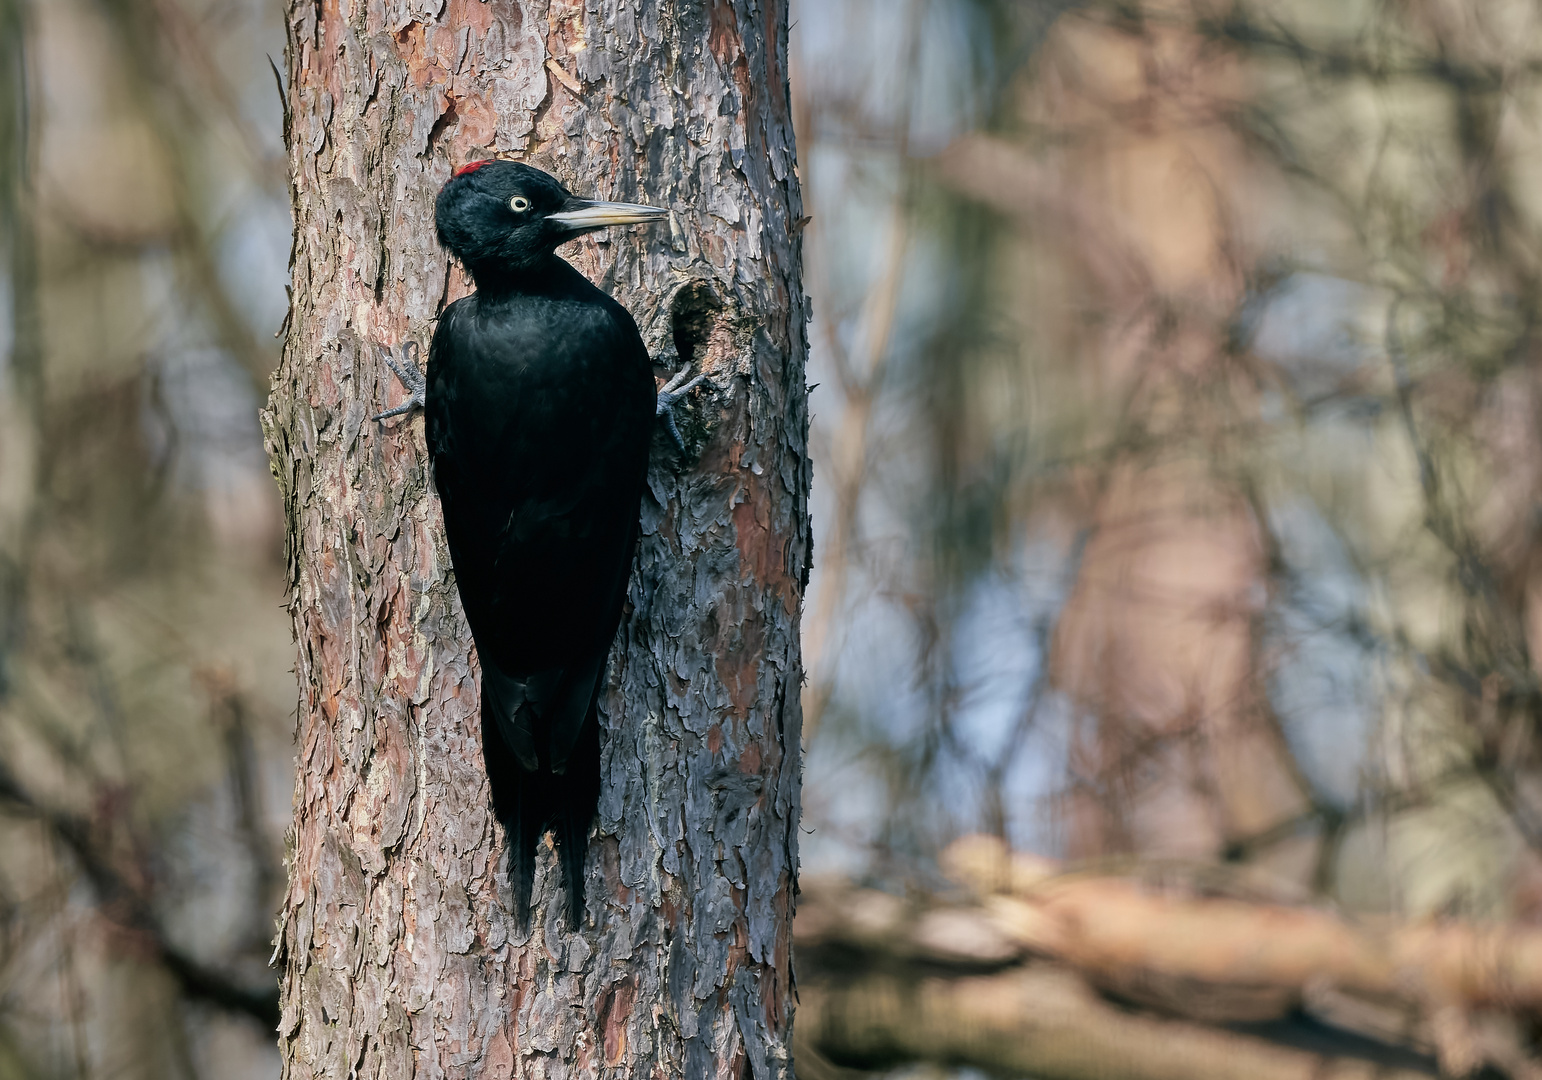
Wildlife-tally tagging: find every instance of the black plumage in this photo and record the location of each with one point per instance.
(540, 403)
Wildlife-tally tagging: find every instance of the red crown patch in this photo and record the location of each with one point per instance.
(470, 167)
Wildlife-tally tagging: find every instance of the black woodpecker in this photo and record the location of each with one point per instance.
(539, 402)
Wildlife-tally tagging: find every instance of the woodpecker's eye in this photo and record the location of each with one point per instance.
(519, 204)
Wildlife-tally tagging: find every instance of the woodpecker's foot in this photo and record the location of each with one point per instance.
(673, 393)
(407, 371)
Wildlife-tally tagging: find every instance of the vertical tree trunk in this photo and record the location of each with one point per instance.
(399, 954)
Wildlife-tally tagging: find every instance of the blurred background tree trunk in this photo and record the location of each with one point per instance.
(397, 952)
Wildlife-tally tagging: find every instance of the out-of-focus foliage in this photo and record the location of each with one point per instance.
(145, 695)
(1179, 410)
(1179, 420)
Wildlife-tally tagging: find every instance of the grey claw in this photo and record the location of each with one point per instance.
(407, 371)
(674, 431)
(411, 404)
(674, 391)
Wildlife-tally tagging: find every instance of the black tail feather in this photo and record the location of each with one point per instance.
(510, 794)
(528, 803)
(578, 802)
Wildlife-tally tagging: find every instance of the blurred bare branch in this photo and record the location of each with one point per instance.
(116, 581)
(167, 104)
(122, 898)
(860, 384)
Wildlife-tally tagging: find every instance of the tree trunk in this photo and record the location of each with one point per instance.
(400, 957)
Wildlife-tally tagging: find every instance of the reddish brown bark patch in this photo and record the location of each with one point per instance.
(761, 548)
(615, 1011)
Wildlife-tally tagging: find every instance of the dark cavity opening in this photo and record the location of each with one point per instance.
(692, 314)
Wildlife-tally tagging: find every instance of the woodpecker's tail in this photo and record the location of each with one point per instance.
(577, 804)
(528, 801)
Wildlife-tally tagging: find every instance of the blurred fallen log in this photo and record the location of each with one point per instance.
(1110, 926)
(1038, 1021)
(1065, 975)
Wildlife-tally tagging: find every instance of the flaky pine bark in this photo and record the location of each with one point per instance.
(399, 956)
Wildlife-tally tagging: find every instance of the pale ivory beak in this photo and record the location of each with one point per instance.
(597, 215)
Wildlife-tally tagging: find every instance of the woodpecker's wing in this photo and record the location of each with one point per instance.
(556, 704)
(539, 416)
(514, 705)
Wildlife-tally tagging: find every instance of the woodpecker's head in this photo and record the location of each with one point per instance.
(496, 216)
